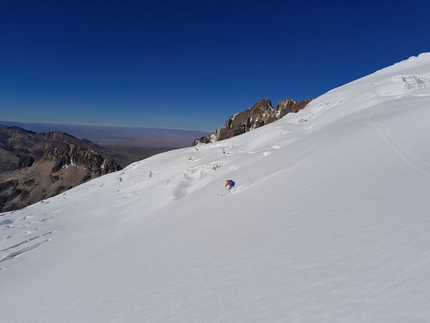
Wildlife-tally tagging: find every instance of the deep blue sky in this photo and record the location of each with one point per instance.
(191, 64)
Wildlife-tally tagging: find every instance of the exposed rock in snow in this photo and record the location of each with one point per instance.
(260, 114)
(416, 82)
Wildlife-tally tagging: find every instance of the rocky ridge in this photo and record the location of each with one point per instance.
(44, 165)
(18, 146)
(260, 114)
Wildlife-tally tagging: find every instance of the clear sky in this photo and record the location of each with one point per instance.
(191, 64)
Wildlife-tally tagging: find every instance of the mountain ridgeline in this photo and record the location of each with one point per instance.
(35, 166)
(260, 114)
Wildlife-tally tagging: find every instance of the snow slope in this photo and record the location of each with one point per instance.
(328, 222)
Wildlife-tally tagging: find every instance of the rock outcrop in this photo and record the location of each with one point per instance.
(59, 169)
(78, 156)
(16, 144)
(25, 161)
(260, 114)
(37, 166)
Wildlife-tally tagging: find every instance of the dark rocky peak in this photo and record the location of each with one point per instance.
(36, 142)
(260, 114)
(56, 136)
(17, 143)
(78, 156)
(60, 168)
(5, 130)
(46, 164)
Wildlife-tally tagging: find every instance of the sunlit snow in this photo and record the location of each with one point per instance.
(329, 221)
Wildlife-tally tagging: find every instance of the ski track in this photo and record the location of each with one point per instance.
(6, 255)
(407, 157)
(292, 160)
(21, 251)
(16, 232)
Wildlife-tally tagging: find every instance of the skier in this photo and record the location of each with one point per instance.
(229, 184)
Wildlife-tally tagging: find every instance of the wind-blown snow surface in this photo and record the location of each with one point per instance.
(329, 222)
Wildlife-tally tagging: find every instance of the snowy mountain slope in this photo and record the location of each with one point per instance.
(328, 222)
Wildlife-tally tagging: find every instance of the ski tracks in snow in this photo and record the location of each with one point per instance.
(19, 235)
(407, 157)
(293, 160)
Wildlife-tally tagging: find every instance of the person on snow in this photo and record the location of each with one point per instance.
(229, 184)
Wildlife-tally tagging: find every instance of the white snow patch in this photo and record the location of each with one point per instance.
(413, 82)
(333, 227)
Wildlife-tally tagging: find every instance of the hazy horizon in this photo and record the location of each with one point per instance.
(48, 124)
(115, 135)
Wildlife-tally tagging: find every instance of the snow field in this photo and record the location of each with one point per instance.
(328, 223)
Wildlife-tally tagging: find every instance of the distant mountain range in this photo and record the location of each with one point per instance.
(125, 136)
(37, 166)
